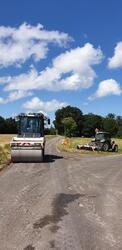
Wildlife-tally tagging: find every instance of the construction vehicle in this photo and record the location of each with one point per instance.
(101, 142)
(29, 144)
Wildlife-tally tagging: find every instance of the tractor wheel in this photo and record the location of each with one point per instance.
(115, 148)
(99, 147)
(105, 147)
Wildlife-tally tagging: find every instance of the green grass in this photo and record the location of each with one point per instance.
(5, 139)
(4, 155)
(72, 146)
(5, 149)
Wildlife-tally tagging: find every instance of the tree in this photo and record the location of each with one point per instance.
(110, 125)
(11, 126)
(119, 133)
(70, 126)
(90, 123)
(50, 131)
(3, 127)
(8, 126)
(68, 111)
(111, 115)
(119, 122)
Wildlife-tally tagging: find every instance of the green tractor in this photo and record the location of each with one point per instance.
(101, 142)
(104, 142)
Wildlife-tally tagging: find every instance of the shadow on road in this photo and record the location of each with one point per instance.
(47, 158)
(52, 158)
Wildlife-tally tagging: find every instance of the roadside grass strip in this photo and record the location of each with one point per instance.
(6, 138)
(4, 155)
(5, 149)
(71, 146)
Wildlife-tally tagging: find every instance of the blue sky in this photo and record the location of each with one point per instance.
(54, 53)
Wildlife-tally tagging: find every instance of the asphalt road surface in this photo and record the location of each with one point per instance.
(69, 202)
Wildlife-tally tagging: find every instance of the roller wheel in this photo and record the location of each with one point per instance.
(43, 154)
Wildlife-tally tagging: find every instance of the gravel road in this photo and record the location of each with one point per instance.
(69, 202)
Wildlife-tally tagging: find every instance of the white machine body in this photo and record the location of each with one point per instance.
(29, 145)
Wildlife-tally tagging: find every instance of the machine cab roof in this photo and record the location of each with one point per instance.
(102, 136)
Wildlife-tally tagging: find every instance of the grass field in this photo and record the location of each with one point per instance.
(72, 146)
(5, 149)
(5, 139)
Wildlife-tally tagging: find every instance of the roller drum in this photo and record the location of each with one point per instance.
(27, 155)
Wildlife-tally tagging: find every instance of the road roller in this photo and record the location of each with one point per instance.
(29, 144)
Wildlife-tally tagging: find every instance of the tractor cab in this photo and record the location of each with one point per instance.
(102, 137)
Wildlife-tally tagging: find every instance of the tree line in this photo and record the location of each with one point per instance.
(8, 126)
(71, 121)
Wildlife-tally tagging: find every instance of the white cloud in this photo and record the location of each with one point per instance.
(24, 81)
(15, 95)
(107, 88)
(19, 44)
(35, 104)
(2, 101)
(71, 70)
(116, 60)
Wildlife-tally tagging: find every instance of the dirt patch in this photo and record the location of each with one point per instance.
(52, 243)
(29, 247)
(54, 228)
(59, 205)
